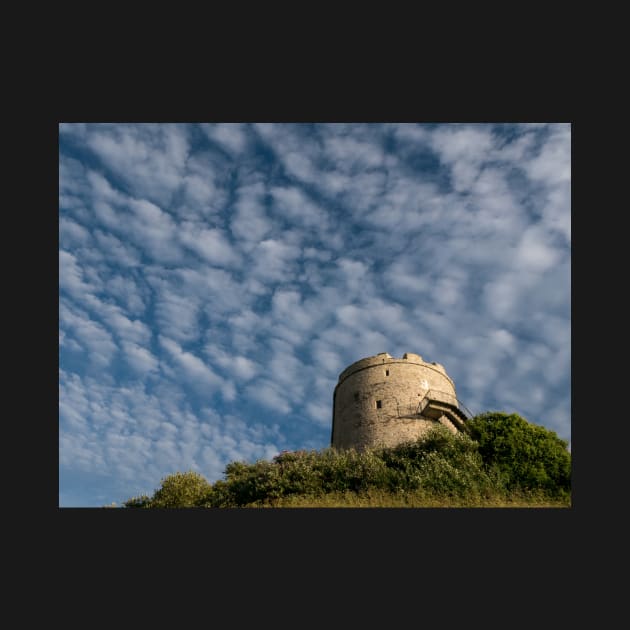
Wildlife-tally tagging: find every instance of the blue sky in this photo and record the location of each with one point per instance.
(215, 279)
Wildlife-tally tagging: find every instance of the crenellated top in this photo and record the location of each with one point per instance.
(384, 357)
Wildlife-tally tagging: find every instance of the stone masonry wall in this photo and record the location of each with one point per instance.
(376, 400)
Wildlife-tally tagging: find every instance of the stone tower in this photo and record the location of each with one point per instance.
(383, 401)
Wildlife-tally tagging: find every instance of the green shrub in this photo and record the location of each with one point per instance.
(141, 501)
(525, 455)
(440, 462)
(179, 490)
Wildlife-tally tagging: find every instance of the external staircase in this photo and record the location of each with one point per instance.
(436, 404)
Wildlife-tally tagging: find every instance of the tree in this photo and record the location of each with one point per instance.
(526, 455)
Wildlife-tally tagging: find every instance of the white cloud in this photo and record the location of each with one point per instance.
(153, 230)
(553, 164)
(107, 215)
(211, 244)
(72, 233)
(351, 154)
(231, 136)
(448, 290)
(244, 328)
(411, 132)
(326, 357)
(406, 280)
(136, 219)
(102, 190)
(300, 166)
(464, 149)
(273, 259)
(317, 254)
(241, 367)
(469, 142)
(289, 311)
(135, 331)
(73, 129)
(176, 315)
(299, 152)
(535, 252)
(503, 340)
(71, 275)
(405, 207)
(128, 292)
(320, 413)
(72, 188)
(250, 223)
(73, 402)
(200, 191)
(354, 273)
(94, 337)
(292, 203)
(288, 374)
(195, 369)
(218, 291)
(150, 158)
(269, 394)
(502, 295)
(517, 149)
(139, 358)
(556, 212)
(496, 209)
(117, 252)
(72, 280)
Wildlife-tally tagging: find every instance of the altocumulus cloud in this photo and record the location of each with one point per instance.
(216, 278)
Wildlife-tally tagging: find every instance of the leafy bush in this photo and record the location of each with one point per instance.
(142, 501)
(440, 463)
(187, 489)
(525, 455)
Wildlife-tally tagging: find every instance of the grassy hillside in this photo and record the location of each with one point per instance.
(503, 461)
(414, 499)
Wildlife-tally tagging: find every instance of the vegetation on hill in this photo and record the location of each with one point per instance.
(502, 461)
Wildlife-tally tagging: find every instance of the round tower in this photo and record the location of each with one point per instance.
(383, 401)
